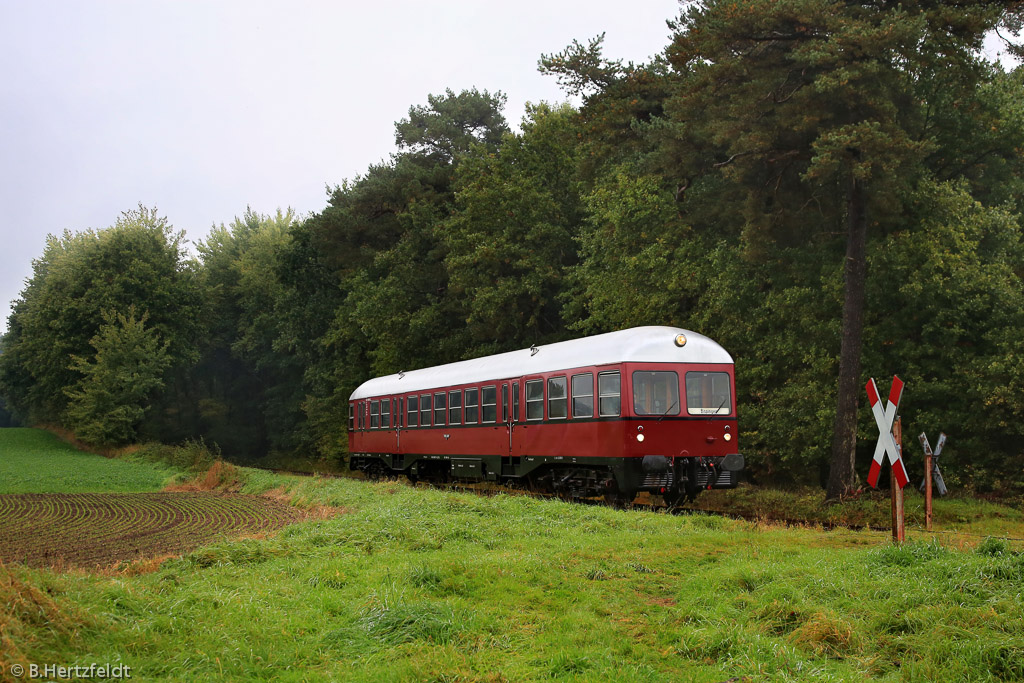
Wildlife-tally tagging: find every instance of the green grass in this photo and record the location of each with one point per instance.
(36, 461)
(413, 584)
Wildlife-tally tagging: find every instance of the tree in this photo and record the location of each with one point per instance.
(451, 124)
(511, 235)
(109, 402)
(814, 111)
(138, 261)
(246, 402)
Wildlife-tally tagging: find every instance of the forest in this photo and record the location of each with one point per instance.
(833, 190)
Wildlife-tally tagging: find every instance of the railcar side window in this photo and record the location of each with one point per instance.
(424, 410)
(655, 392)
(374, 414)
(472, 406)
(413, 404)
(489, 404)
(455, 407)
(583, 395)
(535, 399)
(708, 393)
(558, 401)
(440, 406)
(351, 416)
(385, 413)
(609, 403)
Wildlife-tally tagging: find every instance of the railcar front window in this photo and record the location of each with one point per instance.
(454, 407)
(583, 395)
(440, 407)
(655, 393)
(535, 399)
(385, 413)
(708, 393)
(515, 401)
(351, 417)
(374, 414)
(558, 398)
(609, 390)
(425, 410)
(504, 403)
(413, 405)
(472, 406)
(489, 404)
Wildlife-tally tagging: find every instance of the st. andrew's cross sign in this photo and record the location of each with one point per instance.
(886, 444)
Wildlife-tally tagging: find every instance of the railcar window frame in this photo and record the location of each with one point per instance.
(471, 407)
(515, 401)
(412, 406)
(577, 395)
(385, 415)
(374, 414)
(489, 407)
(646, 385)
(351, 417)
(602, 395)
(726, 405)
(440, 409)
(536, 401)
(455, 411)
(504, 402)
(558, 404)
(426, 410)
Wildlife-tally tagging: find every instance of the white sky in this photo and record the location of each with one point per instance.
(204, 107)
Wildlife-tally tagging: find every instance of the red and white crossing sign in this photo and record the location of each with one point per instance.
(886, 444)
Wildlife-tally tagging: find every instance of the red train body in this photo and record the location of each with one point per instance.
(645, 409)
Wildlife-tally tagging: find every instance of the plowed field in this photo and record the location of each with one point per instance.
(102, 529)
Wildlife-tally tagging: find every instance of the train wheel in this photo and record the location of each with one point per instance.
(676, 499)
(374, 471)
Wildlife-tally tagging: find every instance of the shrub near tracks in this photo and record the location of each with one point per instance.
(89, 530)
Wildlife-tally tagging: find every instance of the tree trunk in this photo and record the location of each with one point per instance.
(842, 477)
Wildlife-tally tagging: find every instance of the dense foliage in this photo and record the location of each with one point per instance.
(831, 189)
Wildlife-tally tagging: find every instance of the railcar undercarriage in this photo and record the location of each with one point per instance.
(617, 481)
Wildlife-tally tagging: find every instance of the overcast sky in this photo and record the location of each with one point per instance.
(202, 108)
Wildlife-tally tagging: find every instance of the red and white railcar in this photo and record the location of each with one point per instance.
(645, 409)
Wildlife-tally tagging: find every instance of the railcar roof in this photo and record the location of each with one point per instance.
(654, 344)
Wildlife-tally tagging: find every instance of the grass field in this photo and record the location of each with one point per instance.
(35, 461)
(414, 584)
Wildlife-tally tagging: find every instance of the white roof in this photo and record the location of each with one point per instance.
(652, 344)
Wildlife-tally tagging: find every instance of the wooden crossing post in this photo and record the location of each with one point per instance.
(928, 489)
(899, 534)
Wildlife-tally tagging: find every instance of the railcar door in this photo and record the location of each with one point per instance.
(399, 414)
(506, 416)
(510, 462)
